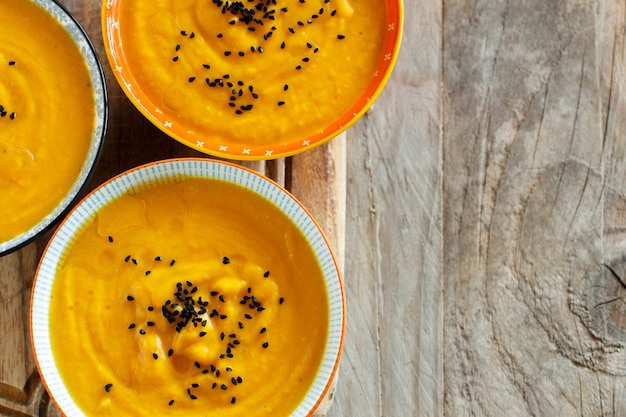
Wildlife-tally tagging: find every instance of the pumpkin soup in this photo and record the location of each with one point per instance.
(195, 298)
(254, 73)
(46, 115)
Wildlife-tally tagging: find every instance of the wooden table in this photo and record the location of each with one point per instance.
(482, 207)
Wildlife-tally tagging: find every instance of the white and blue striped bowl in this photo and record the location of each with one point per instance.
(169, 171)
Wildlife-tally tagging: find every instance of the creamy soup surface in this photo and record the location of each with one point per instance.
(252, 73)
(194, 298)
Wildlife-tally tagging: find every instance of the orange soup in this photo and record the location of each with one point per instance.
(46, 115)
(195, 298)
(251, 73)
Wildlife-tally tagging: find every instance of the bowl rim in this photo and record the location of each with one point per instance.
(191, 167)
(125, 79)
(90, 56)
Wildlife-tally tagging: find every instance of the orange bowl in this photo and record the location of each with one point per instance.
(149, 52)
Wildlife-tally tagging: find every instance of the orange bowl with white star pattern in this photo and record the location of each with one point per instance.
(248, 80)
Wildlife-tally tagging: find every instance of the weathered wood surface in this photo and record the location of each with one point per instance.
(534, 199)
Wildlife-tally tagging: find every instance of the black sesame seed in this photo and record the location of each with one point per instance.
(170, 352)
(135, 261)
(267, 273)
(197, 364)
(226, 53)
(192, 79)
(202, 334)
(183, 32)
(175, 59)
(233, 400)
(248, 316)
(195, 385)
(225, 260)
(207, 66)
(233, 380)
(130, 297)
(281, 300)
(305, 59)
(177, 48)
(131, 326)
(265, 345)
(333, 13)
(224, 387)
(221, 298)
(12, 115)
(280, 103)
(148, 272)
(292, 30)
(110, 239)
(155, 356)
(240, 325)
(193, 397)
(150, 323)
(142, 331)
(219, 35)
(192, 35)
(173, 262)
(158, 258)
(340, 37)
(108, 387)
(11, 62)
(260, 49)
(171, 402)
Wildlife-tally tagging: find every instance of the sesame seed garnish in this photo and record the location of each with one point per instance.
(227, 53)
(225, 260)
(131, 326)
(142, 331)
(281, 300)
(148, 273)
(108, 387)
(170, 403)
(150, 323)
(233, 400)
(280, 103)
(110, 239)
(267, 273)
(12, 115)
(155, 356)
(130, 297)
(224, 387)
(11, 62)
(340, 37)
(192, 79)
(265, 345)
(175, 59)
(263, 330)
(170, 352)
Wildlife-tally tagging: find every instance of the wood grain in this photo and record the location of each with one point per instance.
(534, 208)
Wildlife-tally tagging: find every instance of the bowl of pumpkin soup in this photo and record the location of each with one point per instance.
(255, 79)
(52, 116)
(188, 287)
